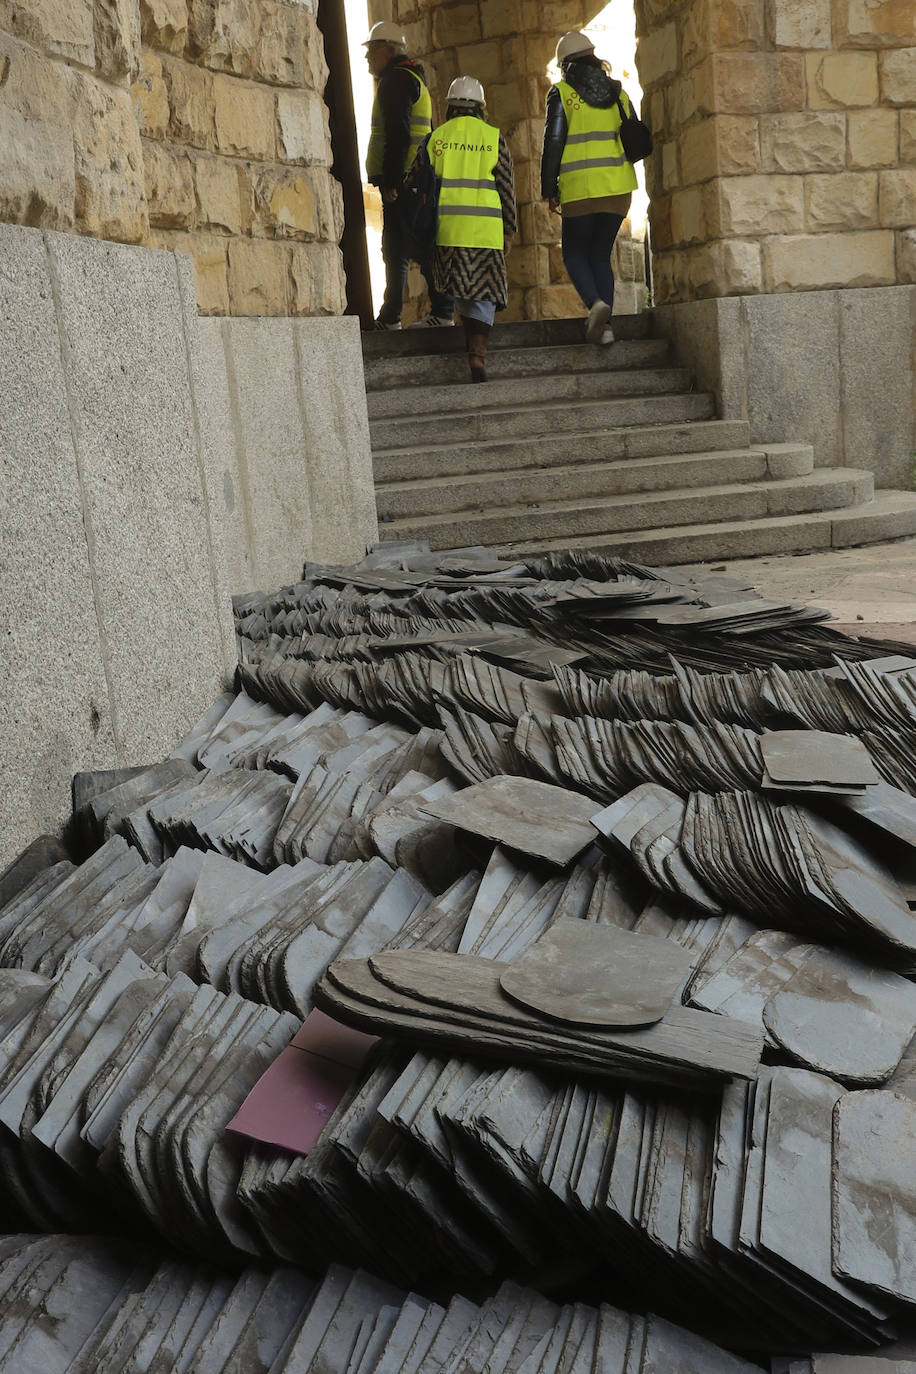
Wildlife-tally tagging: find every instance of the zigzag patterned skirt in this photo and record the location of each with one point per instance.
(472, 274)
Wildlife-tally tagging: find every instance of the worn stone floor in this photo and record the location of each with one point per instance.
(870, 590)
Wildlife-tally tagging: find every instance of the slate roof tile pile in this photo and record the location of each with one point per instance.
(84, 1303)
(436, 773)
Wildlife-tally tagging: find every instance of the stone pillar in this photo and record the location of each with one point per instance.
(786, 152)
(193, 125)
(238, 154)
(70, 153)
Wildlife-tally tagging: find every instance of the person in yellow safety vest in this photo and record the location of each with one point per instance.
(401, 120)
(477, 215)
(585, 174)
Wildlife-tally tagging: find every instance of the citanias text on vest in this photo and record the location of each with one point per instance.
(441, 147)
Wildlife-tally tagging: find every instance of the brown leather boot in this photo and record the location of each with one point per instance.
(476, 334)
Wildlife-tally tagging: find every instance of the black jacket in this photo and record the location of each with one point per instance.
(597, 89)
(398, 89)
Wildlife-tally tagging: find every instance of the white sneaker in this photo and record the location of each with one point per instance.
(598, 317)
(608, 336)
(432, 322)
(380, 324)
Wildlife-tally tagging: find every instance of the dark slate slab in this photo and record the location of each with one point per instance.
(87, 785)
(684, 1042)
(597, 975)
(814, 756)
(840, 1016)
(41, 855)
(670, 1349)
(874, 1208)
(797, 1183)
(534, 817)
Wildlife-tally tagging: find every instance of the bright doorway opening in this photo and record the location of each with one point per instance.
(363, 90)
(613, 31)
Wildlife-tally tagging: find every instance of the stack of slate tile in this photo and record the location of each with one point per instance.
(84, 1303)
(784, 865)
(114, 1092)
(401, 817)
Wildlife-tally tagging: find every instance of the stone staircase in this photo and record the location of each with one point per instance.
(575, 446)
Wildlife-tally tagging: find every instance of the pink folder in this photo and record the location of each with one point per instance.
(292, 1101)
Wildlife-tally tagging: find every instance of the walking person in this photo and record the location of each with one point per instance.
(477, 215)
(585, 175)
(401, 119)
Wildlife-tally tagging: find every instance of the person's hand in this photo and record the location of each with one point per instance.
(507, 247)
(553, 204)
(389, 194)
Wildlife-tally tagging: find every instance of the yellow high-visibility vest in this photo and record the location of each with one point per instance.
(421, 121)
(464, 153)
(593, 162)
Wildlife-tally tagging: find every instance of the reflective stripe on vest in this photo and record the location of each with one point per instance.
(464, 153)
(421, 121)
(593, 162)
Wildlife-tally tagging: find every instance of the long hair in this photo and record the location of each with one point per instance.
(586, 59)
(467, 107)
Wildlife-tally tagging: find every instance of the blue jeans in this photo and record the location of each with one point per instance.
(587, 243)
(395, 254)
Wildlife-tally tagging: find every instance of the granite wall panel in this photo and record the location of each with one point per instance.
(152, 464)
(834, 369)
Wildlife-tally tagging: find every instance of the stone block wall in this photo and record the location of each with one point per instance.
(104, 507)
(237, 152)
(70, 152)
(196, 125)
(786, 144)
(834, 369)
(507, 45)
(284, 425)
(151, 465)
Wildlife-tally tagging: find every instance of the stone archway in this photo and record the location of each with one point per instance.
(509, 45)
(782, 184)
(785, 134)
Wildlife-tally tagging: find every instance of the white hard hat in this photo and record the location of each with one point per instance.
(386, 32)
(573, 43)
(465, 88)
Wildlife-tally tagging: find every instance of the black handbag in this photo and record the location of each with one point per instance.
(635, 136)
(418, 200)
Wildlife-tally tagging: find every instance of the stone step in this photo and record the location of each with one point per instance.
(643, 441)
(554, 522)
(449, 368)
(384, 343)
(529, 391)
(576, 481)
(890, 515)
(518, 422)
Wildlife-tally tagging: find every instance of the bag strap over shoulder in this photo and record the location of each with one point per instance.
(635, 136)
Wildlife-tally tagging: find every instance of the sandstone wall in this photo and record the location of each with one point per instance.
(786, 134)
(196, 125)
(507, 45)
